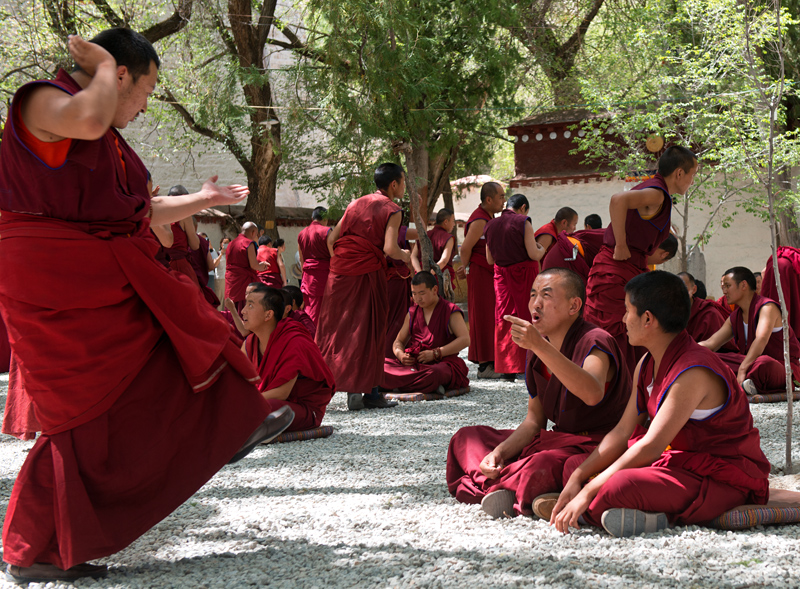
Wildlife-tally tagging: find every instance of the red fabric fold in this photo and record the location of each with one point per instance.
(355, 256)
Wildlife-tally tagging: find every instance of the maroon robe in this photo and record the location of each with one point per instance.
(313, 243)
(291, 352)
(578, 428)
(272, 275)
(727, 308)
(578, 257)
(605, 290)
(767, 372)
(398, 288)
(199, 260)
(712, 465)
(480, 296)
(303, 319)
(179, 252)
(142, 396)
(450, 372)
(238, 273)
(789, 265)
(705, 320)
(548, 229)
(351, 331)
(5, 348)
(514, 273)
(439, 238)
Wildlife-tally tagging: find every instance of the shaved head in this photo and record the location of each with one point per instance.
(570, 280)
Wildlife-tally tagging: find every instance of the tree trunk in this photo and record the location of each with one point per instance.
(266, 163)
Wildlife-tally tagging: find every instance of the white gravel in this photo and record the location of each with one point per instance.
(368, 507)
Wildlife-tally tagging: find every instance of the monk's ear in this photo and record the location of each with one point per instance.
(575, 305)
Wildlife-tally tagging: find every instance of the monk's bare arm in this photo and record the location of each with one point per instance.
(458, 327)
(646, 201)
(412, 234)
(390, 246)
(163, 234)
(768, 316)
(399, 345)
(533, 247)
(723, 335)
(474, 233)
(333, 235)
(415, 263)
(188, 226)
(282, 392)
(252, 259)
(448, 250)
(237, 320)
(544, 240)
(300, 254)
(51, 114)
(534, 422)
(170, 209)
(489, 256)
(282, 267)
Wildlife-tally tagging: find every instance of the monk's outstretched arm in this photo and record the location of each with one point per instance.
(768, 316)
(282, 392)
(723, 335)
(171, 209)
(646, 201)
(474, 233)
(534, 422)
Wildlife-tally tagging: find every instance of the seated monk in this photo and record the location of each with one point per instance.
(756, 328)
(291, 367)
(700, 455)
(707, 317)
(576, 378)
(297, 311)
(427, 347)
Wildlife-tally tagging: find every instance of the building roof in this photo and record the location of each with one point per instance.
(559, 116)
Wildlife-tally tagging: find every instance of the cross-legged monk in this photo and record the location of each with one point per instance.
(575, 377)
(566, 220)
(443, 242)
(398, 288)
(592, 221)
(789, 266)
(515, 253)
(480, 280)
(426, 349)
(351, 332)
(700, 455)
(298, 312)
(640, 221)
(241, 264)
(291, 367)
(315, 259)
(268, 255)
(707, 317)
(142, 396)
(184, 240)
(757, 332)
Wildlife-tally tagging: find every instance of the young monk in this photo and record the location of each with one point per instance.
(275, 274)
(575, 377)
(297, 311)
(443, 242)
(242, 265)
(757, 331)
(292, 370)
(515, 253)
(706, 317)
(480, 280)
(700, 455)
(351, 332)
(142, 396)
(427, 347)
(315, 259)
(566, 221)
(640, 221)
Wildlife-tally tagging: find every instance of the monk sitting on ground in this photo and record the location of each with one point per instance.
(707, 317)
(428, 344)
(576, 378)
(756, 328)
(565, 222)
(700, 455)
(297, 311)
(291, 367)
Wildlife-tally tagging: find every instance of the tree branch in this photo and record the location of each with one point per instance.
(108, 13)
(171, 25)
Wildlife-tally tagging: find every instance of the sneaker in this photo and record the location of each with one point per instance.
(543, 505)
(489, 372)
(624, 522)
(499, 504)
(749, 387)
(355, 401)
(377, 403)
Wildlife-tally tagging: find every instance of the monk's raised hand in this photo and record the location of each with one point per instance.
(155, 191)
(491, 465)
(621, 252)
(89, 56)
(229, 304)
(223, 195)
(523, 333)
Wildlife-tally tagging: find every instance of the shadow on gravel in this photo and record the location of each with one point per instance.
(425, 489)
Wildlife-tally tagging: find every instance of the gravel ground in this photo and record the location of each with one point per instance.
(368, 507)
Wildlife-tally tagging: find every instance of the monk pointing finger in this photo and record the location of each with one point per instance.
(523, 333)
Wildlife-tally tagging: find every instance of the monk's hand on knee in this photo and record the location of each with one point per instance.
(523, 333)
(491, 465)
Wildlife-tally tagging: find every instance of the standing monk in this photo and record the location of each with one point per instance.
(268, 255)
(639, 223)
(757, 331)
(443, 242)
(142, 396)
(351, 332)
(315, 259)
(789, 265)
(515, 253)
(242, 265)
(576, 379)
(565, 222)
(184, 241)
(480, 280)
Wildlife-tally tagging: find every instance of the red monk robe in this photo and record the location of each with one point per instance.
(238, 273)
(727, 308)
(713, 464)
(576, 251)
(272, 275)
(313, 244)
(303, 319)
(705, 320)
(789, 265)
(179, 252)
(398, 288)
(548, 229)
(578, 428)
(450, 372)
(19, 416)
(351, 332)
(767, 372)
(514, 273)
(439, 238)
(480, 297)
(199, 260)
(605, 289)
(141, 396)
(292, 352)
(5, 348)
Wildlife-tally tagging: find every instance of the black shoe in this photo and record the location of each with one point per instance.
(274, 425)
(45, 573)
(378, 403)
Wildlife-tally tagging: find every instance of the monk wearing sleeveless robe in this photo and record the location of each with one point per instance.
(315, 259)
(242, 265)
(565, 221)
(699, 457)
(443, 242)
